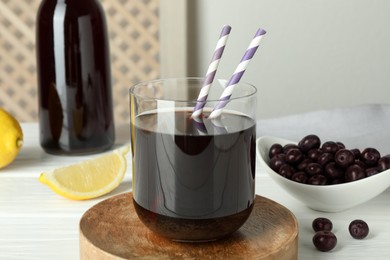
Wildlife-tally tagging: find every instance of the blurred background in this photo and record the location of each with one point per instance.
(316, 55)
(133, 27)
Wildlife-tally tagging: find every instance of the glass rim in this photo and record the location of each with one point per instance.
(144, 83)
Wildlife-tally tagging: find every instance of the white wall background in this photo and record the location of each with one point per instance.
(317, 54)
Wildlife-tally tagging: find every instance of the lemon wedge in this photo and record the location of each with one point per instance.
(88, 179)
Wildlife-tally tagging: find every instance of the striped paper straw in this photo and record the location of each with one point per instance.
(200, 126)
(211, 71)
(219, 127)
(235, 78)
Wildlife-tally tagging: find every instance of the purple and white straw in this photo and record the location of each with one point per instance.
(235, 78)
(211, 71)
(200, 126)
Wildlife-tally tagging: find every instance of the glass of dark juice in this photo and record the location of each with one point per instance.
(193, 177)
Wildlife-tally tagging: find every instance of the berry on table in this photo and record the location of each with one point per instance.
(322, 224)
(324, 240)
(358, 229)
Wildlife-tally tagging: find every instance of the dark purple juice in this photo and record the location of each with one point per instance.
(193, 181)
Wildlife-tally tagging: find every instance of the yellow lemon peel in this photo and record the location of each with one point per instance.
(88, 179)
(11, 138)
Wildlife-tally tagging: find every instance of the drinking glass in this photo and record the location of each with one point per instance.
(193, 177)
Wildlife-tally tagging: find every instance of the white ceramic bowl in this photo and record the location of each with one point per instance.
(329, 198)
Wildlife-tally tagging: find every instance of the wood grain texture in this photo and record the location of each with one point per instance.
(112, 230)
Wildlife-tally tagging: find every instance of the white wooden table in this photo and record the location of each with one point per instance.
(35, 223)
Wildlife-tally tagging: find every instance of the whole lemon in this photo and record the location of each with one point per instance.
(11, 138)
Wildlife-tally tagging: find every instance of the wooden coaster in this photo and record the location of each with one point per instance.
(112, 230)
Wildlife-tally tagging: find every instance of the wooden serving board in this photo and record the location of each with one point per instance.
(112, 230)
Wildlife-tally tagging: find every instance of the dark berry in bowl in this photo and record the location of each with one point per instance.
(356, 152)
(314, 154)
(333, 171)
(371, 171)
(340, 145)
(324, 240)
(354, 173)
(358, 229)
(317, 179)
(275, 149)
(370, 156)
(294, 156)
(384, 163)
(313, 168)
(344, 157)
(286, 170)
(300, 177)
(287, 147)
(277, 161)
(361, 164)
(309, 142)
(330, 147)
(303, 164)
(325, 158)
(337, 181)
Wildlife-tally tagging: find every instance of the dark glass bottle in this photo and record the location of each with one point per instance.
(74, 77)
